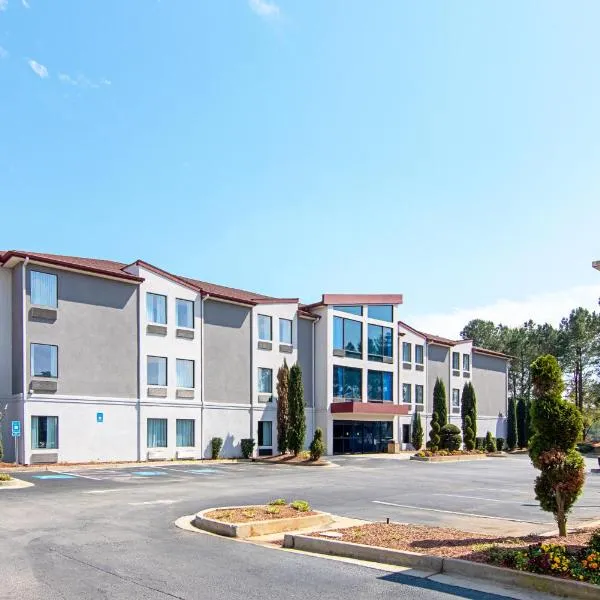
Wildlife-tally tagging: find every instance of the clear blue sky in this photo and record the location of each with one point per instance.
(446, 150)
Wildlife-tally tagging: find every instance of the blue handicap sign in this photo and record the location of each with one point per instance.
(99, 417)
(16, 428)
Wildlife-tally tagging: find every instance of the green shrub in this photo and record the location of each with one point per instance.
(499, 444)
(5, 477)
(278, 502)
(522, 423)
(490, 444)
(417, 431)
(273, 510)
(300, 505)
(247, 447)
(450, 438)
(317, 447)
(215, 446)
(439, 402)
(296, 418)
(480, 443)
(469, 434)
(594, 543)
(511, 425)
(585, 448)
(434, 433)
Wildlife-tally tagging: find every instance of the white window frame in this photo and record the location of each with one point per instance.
(455, 396)
(179, 326)
(166, 370)
(55, 277)
(148, 294)
(185, 360)
(258, 319)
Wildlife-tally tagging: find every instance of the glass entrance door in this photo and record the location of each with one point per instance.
(358, 437)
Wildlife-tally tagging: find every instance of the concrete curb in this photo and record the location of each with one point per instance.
(15, 484)
(452, 566)
(290, 464)
(455, 458)
(257, 528)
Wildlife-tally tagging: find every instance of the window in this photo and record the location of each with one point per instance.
(265, 433)
(379, 386)
(455, 361)
(185, 437)
(406, 352)
(455, 401)
(185, 373)
(156, 308)
(44, 360)
(43, 289)
(406, 393)
(380, 342)
(347, 383)
(157, 433)
(157, 370)
(384, 312)
(418, 394)
(353, 310)
(265, 332)
(44, 433)
(466, 362)
(419, 354)
(285, 331)
(347, 336)
(185, 313)
(265, 381)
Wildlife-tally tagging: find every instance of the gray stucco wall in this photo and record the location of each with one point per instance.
(96, 334)
(305, 357)
(17, 330)
(227, 353)
(438, 358)
(489, 381)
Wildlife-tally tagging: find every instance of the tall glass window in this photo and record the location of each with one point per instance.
(184, 433)
(353, 310)
(419, 354)
(43, 289)
(156, 369)
(44, 360)
(347, 383)
(380, 343)
(265, 381)
(265, 330)
(265, 433)
(455, 401)
(383, 312)
(156, 308)
(185, 373)
(156, 433)
(347, 336)
(406, 352)
(466, 362)
(406, 393)
(185, 313)
(455, 361)
(44, 433)
(380, 386)
(285, 331)
(418, 394)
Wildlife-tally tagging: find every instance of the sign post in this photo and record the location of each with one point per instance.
(16, 433)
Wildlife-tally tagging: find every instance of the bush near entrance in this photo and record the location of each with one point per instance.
(215, 446)
(450, 437)
(317, 447)
(247, 447)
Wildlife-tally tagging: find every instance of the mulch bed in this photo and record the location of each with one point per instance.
(450, 543)
(290, 459)
(255, 513)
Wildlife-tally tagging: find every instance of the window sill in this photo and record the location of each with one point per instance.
(467, 374)
(157, 392)
(43, 313)
(156, 329)
(263, 345)
(406, 365)
(286, 348)
(455, 373)
(419, 367)
(187, 334)
(43, 456)
(43, 385)
(265, 398)
(184, 393)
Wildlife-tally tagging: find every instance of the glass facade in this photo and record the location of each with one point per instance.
(353, 310)
(380, 342)
(285, 331)
(455, 401)
(156, 433)
(157, 370)
(265, 330)
(406, 352)
(265, 381)
(185, 313)
(350, 437)
(418, 394)
(184, 433)
(455, 361)
(466, 362)
(419, 354)
(44, 360)
(406, 393)
(156, 308)
(380, 386)
(44, 433)
(384, 312)
(43, 289)
(185, 373)
(347, 383)
(347, 336)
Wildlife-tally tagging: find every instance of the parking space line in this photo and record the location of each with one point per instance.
(106, 491)
(194, 471)
(147, 502)
(72, 474)
(479, 498)
(464, 514)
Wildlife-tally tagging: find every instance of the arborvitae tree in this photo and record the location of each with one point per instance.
(522, 423)
(465, 409)
(473, 411)
(439, 402)
(283, 385)
(557, 425)
(511, 425)
(317, 447)
(469, 436)
(450, 438)
(490, 442)
(297, 420)
(434, 433)
(417, 431)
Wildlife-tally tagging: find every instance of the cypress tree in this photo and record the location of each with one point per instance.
(439, 402)
(511, 425)
(473, 411)
(522, 423)
(434, 433)
(283, 384)
(297, 420)
(417, 431)
(469, 436)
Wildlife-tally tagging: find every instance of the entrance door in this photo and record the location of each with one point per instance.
(406, 434)
(357, 437)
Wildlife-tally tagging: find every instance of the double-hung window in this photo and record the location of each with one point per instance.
(285, 331)
(44, 360)
(265, 328)
(419, 354)
(380, 343)
(156, 433)
(156, 309)
(185, 373)
(380, 386)
(43, 289)
(265, 381)
(347, 337)
(157, 370)
(406, 393)
(347, 383)
(418, 394)
(185, 313)
(406, 352)
(466, 362)
(44, 433)
(184, 433)
(456, 361)
(455, 401)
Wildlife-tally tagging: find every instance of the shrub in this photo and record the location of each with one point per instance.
(297, 420)
(300, 505)
(594, 543)
(317, 447)
(434, 433)
(283, 414)
(522, 423)
(499, 444)
(468, 409)
(5, 477)
(450, 438)
(511, 425)
(278, 502)
(247, 447)
(480, 443)
(215, 446)
(249, 513)
(439, 402)
(273, 510)
(490, 443)
(469, 435)
(417, 432)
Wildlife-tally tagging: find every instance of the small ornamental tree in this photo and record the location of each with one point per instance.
(473, 411)
(468, 408)
(297, 420)
(522, 423)
(490, 442)
(556, 426)
(450, 437)
(439, 402)
(317, 447)
(417, 432)
(283, 385)
(469, 436)
(511, 425)
(434, 433)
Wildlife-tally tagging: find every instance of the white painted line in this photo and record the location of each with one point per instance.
(504, 491)
(106, 491)
(153, 502)
(72, 474)
(464, 514)
(480, 498)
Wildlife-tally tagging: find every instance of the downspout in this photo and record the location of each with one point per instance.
(314, 362)
(252, 381)
(24, 350)
(202, 299)
(139, 377)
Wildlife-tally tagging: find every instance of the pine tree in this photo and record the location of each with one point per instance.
(511, 425)
(434, 433)
(417, 431)
(522, 423)
(439, 402)
(283, 384)
(297, 420)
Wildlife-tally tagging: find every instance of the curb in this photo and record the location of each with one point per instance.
(290, 464)
(455, 458)
(452, 566)
(15, 484)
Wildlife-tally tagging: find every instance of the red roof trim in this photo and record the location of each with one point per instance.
(165, 274)
(492, 353)
(278, 301)
(361, 299)
(369, 408)
(433, 339)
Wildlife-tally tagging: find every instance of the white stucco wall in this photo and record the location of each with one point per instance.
(5, 333)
